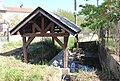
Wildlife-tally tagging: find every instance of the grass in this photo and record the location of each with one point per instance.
(12, 45)
(15, 70)
(111, 43)
(71, 42)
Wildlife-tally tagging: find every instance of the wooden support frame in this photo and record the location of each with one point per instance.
(48, 27)
(29, 41)
(36, 26)
(42, 24)
(52, 31)
(66, 52)
(64, 46)
(43, 33)
(59, 42)
(46, 34)
(25, 50)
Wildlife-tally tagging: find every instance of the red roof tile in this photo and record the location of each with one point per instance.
(17, 9)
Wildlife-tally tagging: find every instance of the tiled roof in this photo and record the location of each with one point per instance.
(17, 9)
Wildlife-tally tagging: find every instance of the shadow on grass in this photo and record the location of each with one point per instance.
(38, 53)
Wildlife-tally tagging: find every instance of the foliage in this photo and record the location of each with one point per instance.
(71, 42)
(103, 19)
(12, 44)
(102, 16)
(69, 15)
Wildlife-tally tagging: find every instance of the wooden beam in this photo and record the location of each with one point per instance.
(65, 52)
(33, 28)
(46, 34)
(29, 41)
(36, 26)
(53, 42)
(48, 27)
(59, 42)
(25, 50)
(52, 27)
(66, 41)
(52, 31)
(42, 24)
(65, 57)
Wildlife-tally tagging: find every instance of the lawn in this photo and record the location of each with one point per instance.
(15, 70)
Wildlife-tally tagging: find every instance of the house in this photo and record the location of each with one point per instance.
(10, 16)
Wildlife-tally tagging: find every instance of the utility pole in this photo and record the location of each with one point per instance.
(75, 19)
(97, 3)
(75, 11)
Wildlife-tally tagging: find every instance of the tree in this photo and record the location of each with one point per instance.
(102, 18)
(69, 15)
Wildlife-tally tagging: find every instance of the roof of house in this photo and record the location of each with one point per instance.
(18, 9)
(58, 20)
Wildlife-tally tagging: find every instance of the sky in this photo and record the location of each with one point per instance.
(49, 5)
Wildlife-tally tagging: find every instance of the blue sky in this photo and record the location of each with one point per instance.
(49, 5)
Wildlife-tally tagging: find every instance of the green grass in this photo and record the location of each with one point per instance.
(11, 45)
(111, 43)
(15, 70)
(71, 42)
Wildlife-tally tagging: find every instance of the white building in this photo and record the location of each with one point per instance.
(10, 16)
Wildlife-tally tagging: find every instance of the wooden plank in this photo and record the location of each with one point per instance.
(42, 24)
(46, 34)
(59, 42)
(25, 50)
(48, 27)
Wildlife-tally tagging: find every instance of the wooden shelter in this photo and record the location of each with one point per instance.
(41, 23)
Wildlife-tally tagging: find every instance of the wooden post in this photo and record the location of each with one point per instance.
(77, 44)
(25, 50)
(42, 25)
(65, 57)
(52, 31)
(65, 52)
(53, 41)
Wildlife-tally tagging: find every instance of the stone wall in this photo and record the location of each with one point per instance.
(109, 64)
